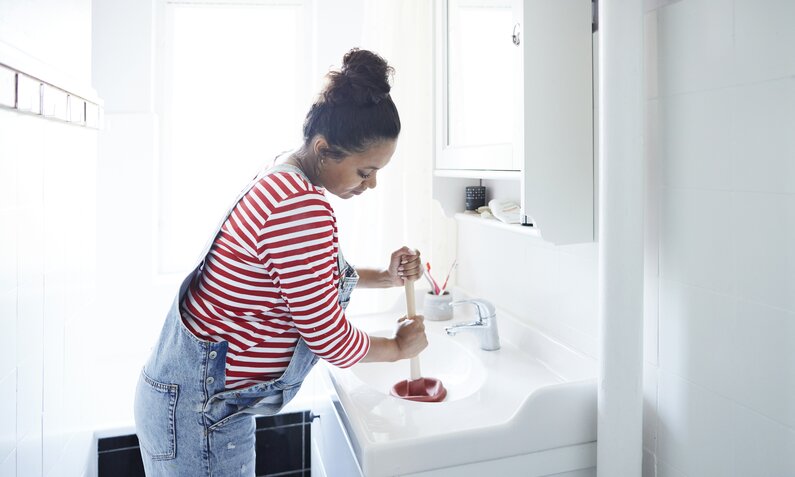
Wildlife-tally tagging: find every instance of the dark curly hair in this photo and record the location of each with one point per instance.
(354, 110)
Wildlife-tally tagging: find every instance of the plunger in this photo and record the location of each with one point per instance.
(417, 388)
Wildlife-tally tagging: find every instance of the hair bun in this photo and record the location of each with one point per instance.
(363, 80)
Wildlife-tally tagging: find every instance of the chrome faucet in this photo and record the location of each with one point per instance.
(485, 326)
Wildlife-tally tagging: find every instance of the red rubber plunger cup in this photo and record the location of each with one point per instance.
(417, 388)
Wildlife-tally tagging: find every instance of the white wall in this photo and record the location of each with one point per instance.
(550, 287)
(47, 242)
(719, 316)
(54, 33)
(133, 296)
(721, 111)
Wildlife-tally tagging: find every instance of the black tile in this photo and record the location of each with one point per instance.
(121, 463)
(118, 442)
(307, 446)
(279, 450)
(268, 422)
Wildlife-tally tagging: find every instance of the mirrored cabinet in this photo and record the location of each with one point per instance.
(477, 86)
(515, 110)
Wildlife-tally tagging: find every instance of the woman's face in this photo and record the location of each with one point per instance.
(357, 172)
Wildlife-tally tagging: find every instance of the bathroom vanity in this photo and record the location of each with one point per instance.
(526, 409)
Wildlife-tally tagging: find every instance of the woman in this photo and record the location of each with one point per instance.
(268, 298)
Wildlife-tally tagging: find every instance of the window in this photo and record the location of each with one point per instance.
(233, 91)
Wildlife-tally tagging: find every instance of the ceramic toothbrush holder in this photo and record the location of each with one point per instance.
(437, 307)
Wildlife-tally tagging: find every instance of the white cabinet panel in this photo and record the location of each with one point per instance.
(548, 110)
(329, 434)
(555, 140)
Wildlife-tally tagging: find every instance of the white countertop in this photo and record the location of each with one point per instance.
(532, 386)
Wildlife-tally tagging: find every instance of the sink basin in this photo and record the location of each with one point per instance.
(531, 403)
(461, 373)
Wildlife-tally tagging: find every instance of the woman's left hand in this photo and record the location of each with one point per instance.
(404, 263)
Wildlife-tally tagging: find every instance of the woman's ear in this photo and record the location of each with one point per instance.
(320, 146)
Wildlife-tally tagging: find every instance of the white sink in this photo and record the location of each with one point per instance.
(460, 371)
(533, 396)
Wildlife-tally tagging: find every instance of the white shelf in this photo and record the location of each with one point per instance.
(516, 228)
(478, 174)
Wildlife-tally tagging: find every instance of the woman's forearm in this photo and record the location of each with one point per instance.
(373, 278)
(382, 350)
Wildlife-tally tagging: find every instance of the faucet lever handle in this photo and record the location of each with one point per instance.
(485, 308)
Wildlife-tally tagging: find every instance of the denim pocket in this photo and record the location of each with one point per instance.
(155, 412)
(347, 284)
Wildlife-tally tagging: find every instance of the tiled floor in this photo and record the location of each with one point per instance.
(283, 449)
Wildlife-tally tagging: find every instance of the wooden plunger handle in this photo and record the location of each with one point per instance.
(411, 311)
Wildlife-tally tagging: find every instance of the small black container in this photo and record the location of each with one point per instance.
(475, 197)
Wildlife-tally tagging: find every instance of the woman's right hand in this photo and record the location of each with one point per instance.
(408, 341)
(410, 336)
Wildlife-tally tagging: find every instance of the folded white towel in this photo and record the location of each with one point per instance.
(506, 211)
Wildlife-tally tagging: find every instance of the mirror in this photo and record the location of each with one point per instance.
(480, 84)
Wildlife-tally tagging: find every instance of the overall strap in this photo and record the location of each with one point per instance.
(257, 178)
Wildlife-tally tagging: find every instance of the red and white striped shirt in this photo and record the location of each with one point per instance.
(271, 277)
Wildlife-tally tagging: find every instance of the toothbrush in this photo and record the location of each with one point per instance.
(425, 274)
(436, 288)
(452, 267)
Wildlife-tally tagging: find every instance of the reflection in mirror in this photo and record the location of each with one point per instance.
(480, 86)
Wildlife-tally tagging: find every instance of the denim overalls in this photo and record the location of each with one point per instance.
(187, 425)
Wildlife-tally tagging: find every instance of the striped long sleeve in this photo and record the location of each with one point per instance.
(270, 278)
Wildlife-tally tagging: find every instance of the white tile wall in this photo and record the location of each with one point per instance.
(9, 465)
(696, 227)
(47, 212)
(695, 40)
(697, 335)
(8, 408)
(8, 327)
(764, 254)
(29, 461)
(762, 447)
(763, 39)
(695, 428)
(719, 312)
(665, 470)
(763, 148)
(553, 288)
(46, 280)
(650, 379)
(725, 112)
(763, 361)
(695, 140)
